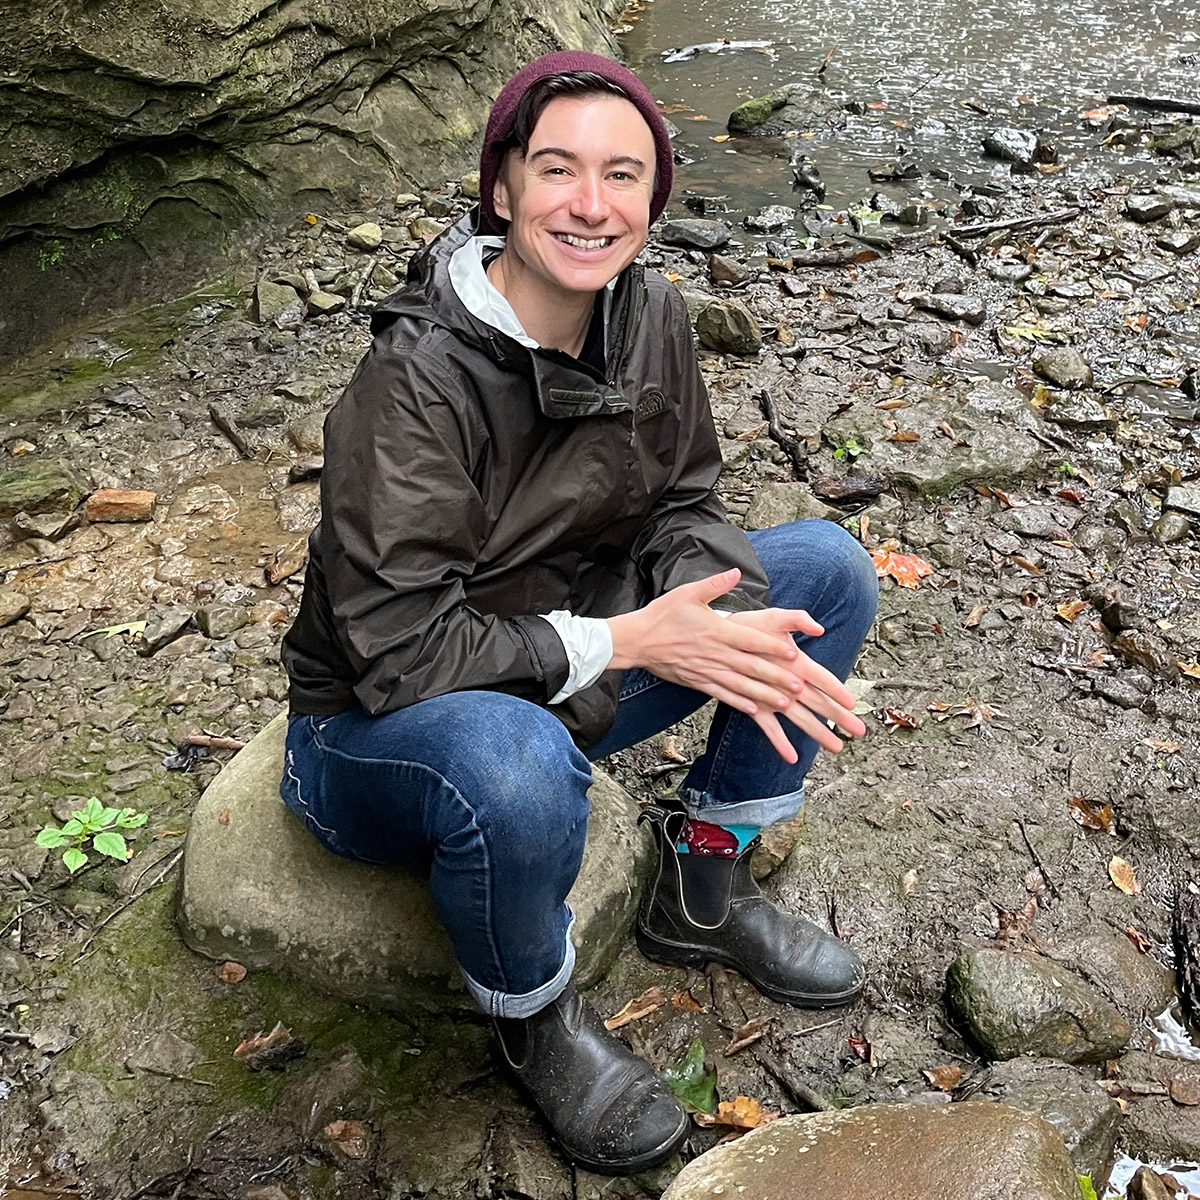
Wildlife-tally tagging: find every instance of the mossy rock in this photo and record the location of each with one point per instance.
(43, 485)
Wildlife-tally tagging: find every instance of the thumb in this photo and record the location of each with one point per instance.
(707, 590)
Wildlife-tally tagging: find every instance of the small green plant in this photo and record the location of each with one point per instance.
(1086, 1187)
(1069, 469)
(50, 255)
(848, 449)
(95, 822)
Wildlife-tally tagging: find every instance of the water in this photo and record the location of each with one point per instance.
(1036, 64)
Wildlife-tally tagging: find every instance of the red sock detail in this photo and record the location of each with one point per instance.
(704, 838)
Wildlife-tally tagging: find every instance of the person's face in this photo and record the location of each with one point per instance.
(578, 202)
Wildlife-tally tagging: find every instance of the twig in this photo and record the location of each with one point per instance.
(789, 444)
(1058, 217)
(112, 916)
(799, 1091)
(361, 285)
(1158, 103)
(20, 914)
(1037, 860)
(832, 51)
(923, 86)
(969, 256)
(214, 742)
(225, 424)
(155, 1183)
(920, 685)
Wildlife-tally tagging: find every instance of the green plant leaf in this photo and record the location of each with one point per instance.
(73, 859)
(51, 836)
(112, 845)
(73, 828)
(91, 812)
(690, 1082)
(1085, 1186)
(129, 819)
(109, 817)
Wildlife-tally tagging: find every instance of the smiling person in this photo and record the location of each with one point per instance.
(522, 567)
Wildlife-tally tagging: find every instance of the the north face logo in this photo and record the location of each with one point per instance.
(651, 403)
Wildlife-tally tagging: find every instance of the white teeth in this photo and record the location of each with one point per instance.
(583, 243)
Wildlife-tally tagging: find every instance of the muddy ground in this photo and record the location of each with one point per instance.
(1050, 654)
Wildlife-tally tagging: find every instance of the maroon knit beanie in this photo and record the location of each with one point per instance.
(504, 111)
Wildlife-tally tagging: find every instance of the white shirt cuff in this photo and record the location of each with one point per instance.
(589, 648)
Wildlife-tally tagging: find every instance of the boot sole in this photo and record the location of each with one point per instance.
(678, 954)
(631, 1166)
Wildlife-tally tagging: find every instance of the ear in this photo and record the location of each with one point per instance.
(500, 197)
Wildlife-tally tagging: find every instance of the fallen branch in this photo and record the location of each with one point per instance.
(226, 425)
(1158, 103)
(1058, 217)
(790, 445)
(969, 256)
(214, 742)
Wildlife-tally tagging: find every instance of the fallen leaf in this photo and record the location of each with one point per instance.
(1184, 1091)
(286, 561)
(1136, 321)
(1122, 874)
(1161, 747)
(672, 109)
(981, 714)
(909, 881)
(1190, 669)
(897, 718)
(1026, 565)
(747, 1035)
(1092, 814)
(890, 405)
(1035, 881)
(863, 1048)
(1070, 609)
(350, 1137)
(721, 137)
(698, 117)
(1139, 939)
(904, 435)
(640, 1006)
(686, 1002)
(231, 972)
(269, 1049)
(694, 1084)
(1014, 925)
(946, 1077)
(1071, 494)
(673, 277)
(905, 569)
(752, 434)
(975, 616)
(740, 1113)
(223, 817)
(945, 430)
(310, 218)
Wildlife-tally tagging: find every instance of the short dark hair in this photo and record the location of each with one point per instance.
(534, 101)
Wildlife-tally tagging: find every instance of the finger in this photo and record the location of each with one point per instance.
(784, 620)
(845, 719)
(808, 722)
(707, 590)
(817, 676)
(752, 640)
(769, 724)
(762, 694)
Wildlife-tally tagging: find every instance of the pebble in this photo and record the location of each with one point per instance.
(469, 185)
(1179, 241)
(1148, 208)
(13, 606)
(695, 233)
(728, 326)
(219, 621)
(1184, 500)
(955, 306)
(726, 272)
(408, 199)
(1016, 146)
(119, 504)
(367, 236)
(1064, 367)
(324, 304)
(770, 219)
(1172, 527)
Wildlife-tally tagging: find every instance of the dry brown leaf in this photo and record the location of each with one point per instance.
(740, 1113)
(269, 1049)
(905, 569)
(975, 616)
(286, 561)
(909, 881)
(752, 433)
(721, 137)
(1139, 939)
(891, 404)
(231, 972)
(1161, 747)
(1026, 565)
(1122, 874)
(1092, 814)
(945, 1077)
(747, 1035)
(1190, 669)
(698, 117)
(686, 1002)
(672, 109)
(863, 1048)
(640, 1006)
(1071, 494)
(904, 435)
(897, 718)
(350, 1137)
(1014, 925)
(981, 714)
(223, 817)
(945, 430)
(673, 277)
(1185, 1091)
(1070, 609)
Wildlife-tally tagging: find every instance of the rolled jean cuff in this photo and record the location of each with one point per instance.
(766, 811)
(525, 1004)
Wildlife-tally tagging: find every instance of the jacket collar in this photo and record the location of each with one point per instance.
(563, 386)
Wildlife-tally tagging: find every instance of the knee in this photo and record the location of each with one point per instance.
(802, 550)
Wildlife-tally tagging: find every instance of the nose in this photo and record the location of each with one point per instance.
(588, 201)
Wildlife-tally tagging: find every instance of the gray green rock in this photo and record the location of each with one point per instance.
(41, 486)
(729, 327)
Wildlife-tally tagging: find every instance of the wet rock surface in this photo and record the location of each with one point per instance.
(1046, 668)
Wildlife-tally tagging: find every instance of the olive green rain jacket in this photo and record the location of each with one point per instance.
(471, 483)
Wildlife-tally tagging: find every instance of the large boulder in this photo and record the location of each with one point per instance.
(971, 1151)
(257, 888)
(253, 109)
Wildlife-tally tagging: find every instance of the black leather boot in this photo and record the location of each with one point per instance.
(609, 1109)
(707, 908)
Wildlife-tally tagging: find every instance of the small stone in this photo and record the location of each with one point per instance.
(50, 526)
(696, 233)
(1009, 272)
(163, 627)
(307, 433)
(13, 606)
(771, 219)
(1171, 527)
(219, 621)
(955, 306)
(266, 412)
(913, 214)
(1074, 411)
(425, 229)
(275, 303)
(778, 503)
(726, 272)
(305, 389)
(1016, 146)
(1064, 367)
(469, 185)
(408, 200)
(728, 326)
(1184, 500)
(324, 304)
(1179, 241)
(1120, 692)
(367, 236)
(118, 504)
(1145, 209)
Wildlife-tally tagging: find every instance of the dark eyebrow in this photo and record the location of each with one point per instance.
(558, 152)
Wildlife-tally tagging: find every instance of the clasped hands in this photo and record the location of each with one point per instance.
(746, 660)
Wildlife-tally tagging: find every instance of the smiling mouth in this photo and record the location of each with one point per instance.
(585, 243)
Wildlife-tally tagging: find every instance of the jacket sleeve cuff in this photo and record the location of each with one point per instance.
(547, 652)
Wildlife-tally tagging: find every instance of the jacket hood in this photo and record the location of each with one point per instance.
(564, 386)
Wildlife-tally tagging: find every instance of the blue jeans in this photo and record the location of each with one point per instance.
(490, 793)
